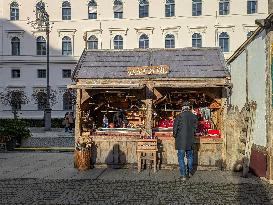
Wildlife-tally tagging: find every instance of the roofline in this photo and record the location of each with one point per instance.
(247, 42)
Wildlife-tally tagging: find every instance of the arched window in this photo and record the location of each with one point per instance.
(224, 41)
(223, 7)
(15, 46)
(66, 10)
(41, 100)
(118, 9)
(143, 8)
(14, 11)
(41, 45)
(67, 101)
(92, 42)
(169, 41)
(92, 9)
(196, 7)
(143, 41)
(118, 42)
(196, 40)
(251, 6)
(66, 46)
(169, 8)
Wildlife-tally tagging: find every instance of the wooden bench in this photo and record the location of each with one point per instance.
(146, 151)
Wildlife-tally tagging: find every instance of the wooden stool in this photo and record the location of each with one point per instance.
(146, 150)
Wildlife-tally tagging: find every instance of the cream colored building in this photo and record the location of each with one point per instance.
(206, 23)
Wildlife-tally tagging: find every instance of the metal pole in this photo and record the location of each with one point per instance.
(47, 108)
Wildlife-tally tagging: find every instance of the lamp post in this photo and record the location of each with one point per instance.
(42, 23)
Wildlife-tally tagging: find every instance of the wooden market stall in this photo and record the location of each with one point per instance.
(127, 95)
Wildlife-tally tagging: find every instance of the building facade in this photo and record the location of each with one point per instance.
(251, 68)
(109, 24)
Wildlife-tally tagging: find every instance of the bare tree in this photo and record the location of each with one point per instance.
(40, 98)
(14, 98)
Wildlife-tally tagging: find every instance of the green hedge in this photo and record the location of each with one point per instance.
(15, 128)
(55, 122)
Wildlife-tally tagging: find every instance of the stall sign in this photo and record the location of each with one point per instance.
(148, 70)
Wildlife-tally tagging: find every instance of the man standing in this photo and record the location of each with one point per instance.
(183, 132)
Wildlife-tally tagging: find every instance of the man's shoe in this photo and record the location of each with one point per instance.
(190, 174)
(183, 178)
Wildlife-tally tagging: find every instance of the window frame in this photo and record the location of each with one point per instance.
(15, 73)
(92, 40)
(145, 41)
(224, 42)
(41, 73)
(66, 11)
(65, 73)
(118, 14)
(15, 46)
(118, 42)
(169, 40)
(66, 46)
(92, 4)
(67, 101)
(197, 7)
(40, 46)
(170, 8)
(143, 8)
(250, 5)
(196, 40)
(14, 11)
(224, 7)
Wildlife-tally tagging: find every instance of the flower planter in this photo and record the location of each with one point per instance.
(82, 159)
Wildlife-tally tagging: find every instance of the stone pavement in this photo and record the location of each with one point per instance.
(49, 178)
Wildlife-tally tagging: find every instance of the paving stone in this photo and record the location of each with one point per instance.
(49, 178)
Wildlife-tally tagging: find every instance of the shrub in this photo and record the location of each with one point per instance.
(15, 129)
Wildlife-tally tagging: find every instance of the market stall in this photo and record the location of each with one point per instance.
(127, 95)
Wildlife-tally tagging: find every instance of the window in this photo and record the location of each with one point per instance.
(118, 42)
(223, 7)
(67, 101)
(196, 7)
(224, 42)
(41, 46)
(169, 41)
(169, 8)
(16, 100)
(41, 100)
(143, 8)
(143, 41)
(66, 73)
(196, 40)
(15, 73)
(66, 11)
(66, 46)
(251, 6)
(92, 9)
(41, 73)
(14, 11)
(118, 9)
(92, 42)
(15, 46)
(249, 33)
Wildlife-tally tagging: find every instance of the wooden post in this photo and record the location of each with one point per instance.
(78, 115)
(149, 109)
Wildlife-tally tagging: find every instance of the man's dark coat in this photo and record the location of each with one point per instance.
(183, 130)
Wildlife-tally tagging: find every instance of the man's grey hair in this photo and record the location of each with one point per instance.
(185, 108)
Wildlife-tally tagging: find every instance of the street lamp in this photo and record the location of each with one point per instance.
(42, 24)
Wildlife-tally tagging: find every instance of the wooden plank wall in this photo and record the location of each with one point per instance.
(121, 152)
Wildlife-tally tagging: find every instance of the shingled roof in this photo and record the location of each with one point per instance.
(183, 63)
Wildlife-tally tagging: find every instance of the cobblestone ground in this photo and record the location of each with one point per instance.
(49, 178)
